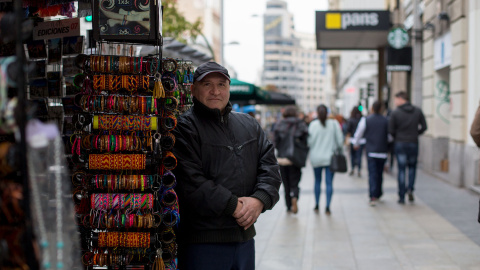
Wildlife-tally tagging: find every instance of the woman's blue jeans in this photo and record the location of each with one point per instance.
(328, 181)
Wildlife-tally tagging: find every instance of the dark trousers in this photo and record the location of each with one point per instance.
(222, 256)
(356, 156)
(375, 176)
(406, 154)
(291, 177)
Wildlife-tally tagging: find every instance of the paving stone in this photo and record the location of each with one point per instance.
(422, 235)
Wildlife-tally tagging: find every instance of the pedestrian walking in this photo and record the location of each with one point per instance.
(355, 153)
(324, 137)
(475, 133)
(391, 149)
(374, 129)
(289, 133)
(406, 124)
(227, 176)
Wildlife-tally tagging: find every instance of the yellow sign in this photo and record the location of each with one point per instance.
(333, 21)
(273, 23)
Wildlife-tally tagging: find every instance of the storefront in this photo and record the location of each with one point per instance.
(356, 30)
(112, 202)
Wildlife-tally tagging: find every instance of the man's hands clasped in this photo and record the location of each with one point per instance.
(247, 212)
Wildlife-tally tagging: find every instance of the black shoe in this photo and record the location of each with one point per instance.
(401, 201)
(316, 208)
(351, 173)
(410, 196)
(327, 211)
(359, 174)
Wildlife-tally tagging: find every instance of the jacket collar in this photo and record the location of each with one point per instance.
(202, 110)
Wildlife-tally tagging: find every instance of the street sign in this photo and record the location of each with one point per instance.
(398, 38)
(370, 90)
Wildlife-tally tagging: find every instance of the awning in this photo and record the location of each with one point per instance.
(352, 29)
(279, 99)
(244, 93)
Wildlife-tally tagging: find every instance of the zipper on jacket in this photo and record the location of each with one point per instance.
(247, 142)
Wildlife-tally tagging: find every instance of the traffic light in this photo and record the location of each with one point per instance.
(370, 90)
(88, 18)
(360, 107)
(362, 90)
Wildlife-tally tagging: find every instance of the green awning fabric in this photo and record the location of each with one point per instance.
(246, 93)
(240, 90)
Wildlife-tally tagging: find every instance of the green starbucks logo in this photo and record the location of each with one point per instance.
(398, 38)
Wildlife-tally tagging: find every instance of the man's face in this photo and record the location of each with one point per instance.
(213, 91)
(398, 101)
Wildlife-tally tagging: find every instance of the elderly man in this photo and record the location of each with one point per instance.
(227, 176)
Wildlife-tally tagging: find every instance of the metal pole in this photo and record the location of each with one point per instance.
(416, 94)
(21, 122)
(222, 61)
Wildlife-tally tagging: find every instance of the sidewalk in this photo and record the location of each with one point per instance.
(422, 235)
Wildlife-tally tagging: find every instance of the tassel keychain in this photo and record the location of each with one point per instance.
(158, 91)
(158, 264)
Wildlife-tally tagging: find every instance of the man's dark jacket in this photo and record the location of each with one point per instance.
(376, 133)
(221, 158)
(286, 131)
(406, 123)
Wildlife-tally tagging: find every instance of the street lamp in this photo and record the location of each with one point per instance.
(232, 43)
(228, 44)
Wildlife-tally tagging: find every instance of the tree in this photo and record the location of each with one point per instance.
(175, 25)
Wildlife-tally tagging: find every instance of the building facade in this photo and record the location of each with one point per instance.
(354, 70)
(449, 100)
(292, 65)
(210, 12)
(448, 32)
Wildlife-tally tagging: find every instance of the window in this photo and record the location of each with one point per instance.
(272, 52)
(271, 68)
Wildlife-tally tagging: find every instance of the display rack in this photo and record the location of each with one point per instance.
(121, 151)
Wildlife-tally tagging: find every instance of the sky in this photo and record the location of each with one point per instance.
(243, 23)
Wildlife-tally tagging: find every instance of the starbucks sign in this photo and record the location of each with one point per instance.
(398, 38)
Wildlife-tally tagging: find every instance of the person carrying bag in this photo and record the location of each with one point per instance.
(290, 136)
(324, 133)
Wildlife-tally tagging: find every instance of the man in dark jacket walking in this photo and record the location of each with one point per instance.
(289, 132)
(374, 129)
(227, 175)
(406, 123)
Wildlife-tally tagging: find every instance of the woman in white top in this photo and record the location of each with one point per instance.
(324, 136)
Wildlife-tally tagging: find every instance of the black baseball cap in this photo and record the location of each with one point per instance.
(207, 68)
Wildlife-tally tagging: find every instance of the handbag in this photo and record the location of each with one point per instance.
(338, 162)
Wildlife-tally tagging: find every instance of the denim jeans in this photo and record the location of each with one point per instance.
(328, 182)
(356, 156)
(375, 176)
(219, 256)
(406, 154)
(291, 177)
